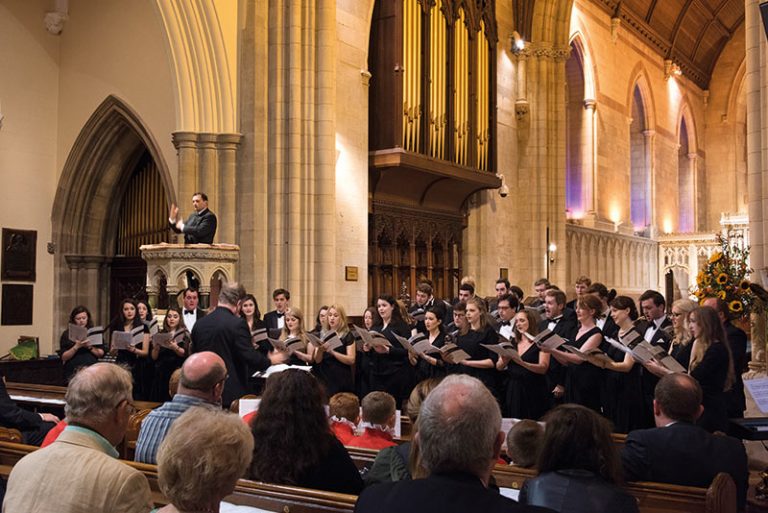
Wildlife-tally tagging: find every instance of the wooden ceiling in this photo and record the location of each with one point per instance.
(690, 32)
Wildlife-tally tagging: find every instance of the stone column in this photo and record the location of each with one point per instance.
(698, 214)
(589, 158)
(650, 151)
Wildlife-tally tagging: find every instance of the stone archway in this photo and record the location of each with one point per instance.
(87, 203)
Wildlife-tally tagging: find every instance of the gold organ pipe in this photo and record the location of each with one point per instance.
(416, 77)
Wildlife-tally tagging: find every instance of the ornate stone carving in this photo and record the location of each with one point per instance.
(54, 22)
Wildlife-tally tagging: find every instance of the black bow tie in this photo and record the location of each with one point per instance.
(556, 319)
(506, 323)
(189, 312)
(280, 314)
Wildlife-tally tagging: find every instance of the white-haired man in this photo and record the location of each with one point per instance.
(459, 440)
(80, 470)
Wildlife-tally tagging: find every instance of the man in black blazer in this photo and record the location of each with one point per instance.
(224, 333)
(200, 227)
(561, 321)
(459, 409)
(275, 320)
(33, 426)
(679, 452)
(191, 312)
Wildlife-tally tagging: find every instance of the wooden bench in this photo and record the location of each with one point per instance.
(719, 497)
(286, 499)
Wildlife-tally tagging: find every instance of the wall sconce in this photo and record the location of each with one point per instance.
(552, 249)
(516, 42)
(503, 190)
(671, 69)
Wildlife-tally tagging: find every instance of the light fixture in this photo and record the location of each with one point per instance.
(671, 68)
(552, 250)
(503, 190)
(517, 43)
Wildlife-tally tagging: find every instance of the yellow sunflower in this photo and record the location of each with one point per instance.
(708, 279)
(744, 285)
(721, 295)
(722, 279)
(716, 256)
(735, 306)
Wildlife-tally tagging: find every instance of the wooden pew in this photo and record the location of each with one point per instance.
(247, 493)
(720, 497)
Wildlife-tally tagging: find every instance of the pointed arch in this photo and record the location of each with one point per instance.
(641, 139)
(551, 21)
(687, 183)
(641, 82)
(87, 202)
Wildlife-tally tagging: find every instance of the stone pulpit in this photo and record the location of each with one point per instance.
(174, 264)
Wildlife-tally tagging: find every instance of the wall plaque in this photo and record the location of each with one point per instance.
(17, 305)
(19, 255)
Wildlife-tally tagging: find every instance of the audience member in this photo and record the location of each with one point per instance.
(524, 441)
(295, 443)
(199, 462)
(344, 409)
(227, 335)
(677, 451)
(201, 382)
(579, 466)
(379, 420)
(398, 462)
(459, 442)
(33, 426)
(80, 471)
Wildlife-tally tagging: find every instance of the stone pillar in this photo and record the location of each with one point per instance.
(589, 158)
(698, 212)
(650, 151)
(207, 164)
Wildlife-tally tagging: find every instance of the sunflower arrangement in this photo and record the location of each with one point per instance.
(726, 275)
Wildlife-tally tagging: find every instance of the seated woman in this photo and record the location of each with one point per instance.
(78, 353)
(168, 359)
(294, 328)
(295, 443)
(200, 460)
(579, 466)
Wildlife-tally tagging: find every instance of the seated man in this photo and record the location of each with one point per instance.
(33, 426)
(459, 440)
(344, 409)
(677, 451)
(524, 441)
(379, 420)
(80, 471)
(202, 382)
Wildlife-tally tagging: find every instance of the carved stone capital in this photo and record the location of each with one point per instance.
(522, 107)
(54, 22)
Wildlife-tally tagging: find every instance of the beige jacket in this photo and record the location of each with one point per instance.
(78, 473)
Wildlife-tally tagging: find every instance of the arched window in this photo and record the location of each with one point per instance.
(576, 136)
(640, 172)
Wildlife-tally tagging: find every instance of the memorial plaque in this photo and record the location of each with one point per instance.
(19, 255)
(17, 305)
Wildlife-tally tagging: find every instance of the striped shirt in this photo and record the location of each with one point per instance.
(158, 422)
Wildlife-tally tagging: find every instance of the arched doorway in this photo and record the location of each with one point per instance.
(114, 160)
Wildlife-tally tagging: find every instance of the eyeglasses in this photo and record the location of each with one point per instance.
(129, 406)
(675, 315)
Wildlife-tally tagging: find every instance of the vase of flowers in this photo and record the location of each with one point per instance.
(726, 276)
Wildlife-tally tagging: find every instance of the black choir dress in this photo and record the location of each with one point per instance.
(712, 373)
(425, 370)
(583, 382)
(391, 372)
(165, 365)
(141, 385)
(470, 343)
(622, 393)
(527, 396)
(83, 357)
(681, 353)
(334, 375)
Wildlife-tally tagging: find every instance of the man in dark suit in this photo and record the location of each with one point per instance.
(275, 320)
(224, 333)
(33, 426)
(561, 321)
(582, 284)
(459, 409)
(679, 452)
(658, 326)
(737, 341)
(192, 313)
(200, 227)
